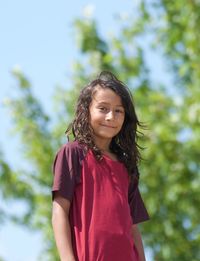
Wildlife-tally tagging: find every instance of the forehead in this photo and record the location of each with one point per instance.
(106, 95)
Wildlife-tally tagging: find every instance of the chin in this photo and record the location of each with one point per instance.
(107, 136)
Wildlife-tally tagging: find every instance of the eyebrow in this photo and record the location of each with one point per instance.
(106, 103)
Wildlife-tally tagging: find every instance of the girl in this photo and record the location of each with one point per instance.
(96, 200)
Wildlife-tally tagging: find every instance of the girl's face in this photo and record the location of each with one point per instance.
(106, 115)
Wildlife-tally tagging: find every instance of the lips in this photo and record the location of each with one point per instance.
(106, 126)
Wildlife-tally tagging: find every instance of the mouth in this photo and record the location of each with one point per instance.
(106, 126)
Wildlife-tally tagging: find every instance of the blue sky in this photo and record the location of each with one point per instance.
(38, 37)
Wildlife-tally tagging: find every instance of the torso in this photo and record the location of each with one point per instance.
(100, 214)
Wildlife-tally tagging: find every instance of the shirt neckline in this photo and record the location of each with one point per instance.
(110, 159)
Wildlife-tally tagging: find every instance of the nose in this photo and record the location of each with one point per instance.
(110, 116)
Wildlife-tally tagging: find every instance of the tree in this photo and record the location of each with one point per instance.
(170, 171)
(177, 36)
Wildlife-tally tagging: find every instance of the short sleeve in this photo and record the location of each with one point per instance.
(137, 207)
(66, 170)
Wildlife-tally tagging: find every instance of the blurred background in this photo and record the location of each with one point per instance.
(49, 50)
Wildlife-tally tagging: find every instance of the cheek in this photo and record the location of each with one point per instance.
(95, 115)
(91, 115)
(121, 120)
(94, 118)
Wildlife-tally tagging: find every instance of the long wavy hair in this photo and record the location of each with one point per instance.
(124, 144)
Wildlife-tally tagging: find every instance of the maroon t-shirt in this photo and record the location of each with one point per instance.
(104, 204)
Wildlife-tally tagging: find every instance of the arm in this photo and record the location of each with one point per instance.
(138, 242)
(61, 227)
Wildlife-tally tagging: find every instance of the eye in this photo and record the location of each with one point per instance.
(119, 111)
(103, 109)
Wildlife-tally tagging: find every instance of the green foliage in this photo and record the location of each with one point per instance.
(170, 172)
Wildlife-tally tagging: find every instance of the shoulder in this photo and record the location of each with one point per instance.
(69, 159)
(72, 146)
(72, 149)
(67, 168)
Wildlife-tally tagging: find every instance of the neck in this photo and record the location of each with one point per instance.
(104, 146)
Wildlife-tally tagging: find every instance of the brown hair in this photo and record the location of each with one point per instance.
(124, 144)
